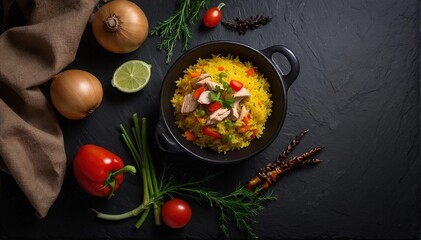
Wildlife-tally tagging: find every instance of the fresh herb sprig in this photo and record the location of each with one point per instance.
(239, 206)
(223, 95)
(177, 26)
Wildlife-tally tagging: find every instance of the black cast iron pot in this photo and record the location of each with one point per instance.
(169, 136)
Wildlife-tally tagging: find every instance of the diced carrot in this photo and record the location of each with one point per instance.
(194, 74)
(221, 68)
(246, 120)
(244, 128)
(250, 72)
(198, 92)
(189, 136)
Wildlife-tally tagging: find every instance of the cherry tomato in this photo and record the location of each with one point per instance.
(213, 16)
(176, 213)
(236, 85)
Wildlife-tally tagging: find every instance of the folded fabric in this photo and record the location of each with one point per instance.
(40, 39)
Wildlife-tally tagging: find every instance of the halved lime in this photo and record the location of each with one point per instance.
(131, 76)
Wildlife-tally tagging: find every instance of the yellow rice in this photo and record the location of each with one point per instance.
(259, 104)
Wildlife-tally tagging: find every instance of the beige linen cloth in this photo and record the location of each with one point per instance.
(41, 38)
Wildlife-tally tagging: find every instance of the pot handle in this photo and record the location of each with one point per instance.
(292, 59)
(164, 140)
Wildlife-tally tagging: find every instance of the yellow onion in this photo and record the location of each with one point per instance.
(120, 26)
(75, 93)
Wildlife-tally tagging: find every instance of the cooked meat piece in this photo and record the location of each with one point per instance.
(243, 93)
(243, 112)
(189, 104)
(234, 110)
(204, 98)
(218, 116)
(200, 80)
(211, 85)
(201, 83)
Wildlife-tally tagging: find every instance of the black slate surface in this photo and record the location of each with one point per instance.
(358, 94)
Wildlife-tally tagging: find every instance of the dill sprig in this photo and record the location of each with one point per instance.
(177, 26)
(240, 206)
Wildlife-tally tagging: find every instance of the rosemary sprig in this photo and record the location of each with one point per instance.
(177, 26)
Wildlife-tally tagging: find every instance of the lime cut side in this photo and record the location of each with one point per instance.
(131, 76)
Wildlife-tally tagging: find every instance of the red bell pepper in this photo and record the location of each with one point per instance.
(98, 171)
(210, 132)
(198, 92)
(236, 85)
(214, 106)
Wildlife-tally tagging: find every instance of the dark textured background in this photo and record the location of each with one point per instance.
(358, 93)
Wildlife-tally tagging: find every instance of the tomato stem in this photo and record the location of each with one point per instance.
(220, 6)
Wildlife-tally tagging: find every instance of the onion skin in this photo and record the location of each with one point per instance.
(75, 93)
(120, 26)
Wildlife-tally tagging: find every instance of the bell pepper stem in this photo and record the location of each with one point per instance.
(110, 181)
(128, 168)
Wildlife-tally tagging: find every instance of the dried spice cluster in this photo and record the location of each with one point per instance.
(272, 171)
(243, 25)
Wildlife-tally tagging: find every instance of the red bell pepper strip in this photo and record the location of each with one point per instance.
(210, 132)
(214, 106)
(98, 171)
(198, 92)
(236, 85)
(253, 135)
(246, 120)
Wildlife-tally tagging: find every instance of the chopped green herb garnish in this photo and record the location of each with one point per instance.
(228, 90)
(227, 103)
(225, 85)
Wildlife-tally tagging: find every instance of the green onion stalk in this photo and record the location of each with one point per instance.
(240, 206)
(142, 157)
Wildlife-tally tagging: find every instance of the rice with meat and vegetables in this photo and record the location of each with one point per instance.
(222, 103)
